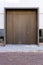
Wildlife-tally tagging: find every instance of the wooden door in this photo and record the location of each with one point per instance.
(21, 28)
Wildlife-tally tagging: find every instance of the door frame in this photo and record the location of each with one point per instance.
(21, 9)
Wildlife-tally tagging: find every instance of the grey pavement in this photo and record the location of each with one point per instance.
(21, 48)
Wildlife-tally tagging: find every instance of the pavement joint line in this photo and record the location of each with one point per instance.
(23, 51)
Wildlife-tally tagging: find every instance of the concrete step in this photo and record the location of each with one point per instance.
(21, 48)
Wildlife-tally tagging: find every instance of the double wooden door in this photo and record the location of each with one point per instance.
(21, 27)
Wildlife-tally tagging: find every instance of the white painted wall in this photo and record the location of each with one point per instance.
(21, 3)
(1, 20)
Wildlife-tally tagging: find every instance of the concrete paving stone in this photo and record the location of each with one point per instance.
(21, 58)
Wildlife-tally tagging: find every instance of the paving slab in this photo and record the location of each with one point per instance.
(21, 58)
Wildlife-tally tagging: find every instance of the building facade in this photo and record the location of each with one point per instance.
(21, 4)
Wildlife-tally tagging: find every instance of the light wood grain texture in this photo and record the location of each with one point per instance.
(21, 27)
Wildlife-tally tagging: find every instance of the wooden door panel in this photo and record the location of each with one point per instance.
(15, 29)
(28, 30)
(23, 28)
(19, 29)
(9, 28)
(31, 28)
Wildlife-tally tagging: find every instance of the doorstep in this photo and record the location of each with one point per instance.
(21, 48)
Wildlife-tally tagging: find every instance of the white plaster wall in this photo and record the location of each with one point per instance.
(21, 3)
(1, 20)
